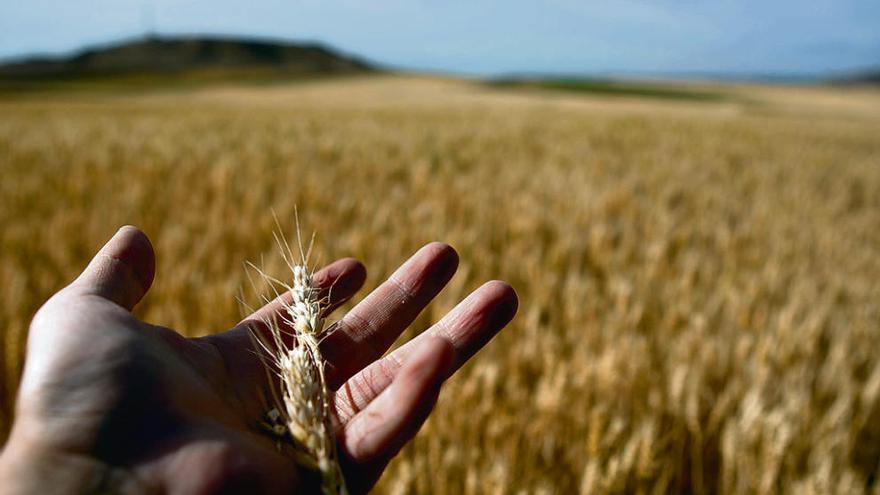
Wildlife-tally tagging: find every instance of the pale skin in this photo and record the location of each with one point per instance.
(111, 404)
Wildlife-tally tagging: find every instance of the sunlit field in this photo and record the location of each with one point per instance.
(699, 279)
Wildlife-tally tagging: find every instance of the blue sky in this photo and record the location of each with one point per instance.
(490, 37)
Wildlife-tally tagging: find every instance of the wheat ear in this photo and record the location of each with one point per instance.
(304, 406)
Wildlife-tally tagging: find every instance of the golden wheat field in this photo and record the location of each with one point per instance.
(699, 281)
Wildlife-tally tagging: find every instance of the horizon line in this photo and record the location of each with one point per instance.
(780, 76)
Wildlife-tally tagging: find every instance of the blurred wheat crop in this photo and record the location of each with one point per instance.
(700, 282)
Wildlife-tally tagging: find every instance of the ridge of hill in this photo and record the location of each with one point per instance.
(181, 55)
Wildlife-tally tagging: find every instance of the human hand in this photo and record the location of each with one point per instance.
(109, 403)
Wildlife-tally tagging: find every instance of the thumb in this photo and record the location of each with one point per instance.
(123, 269)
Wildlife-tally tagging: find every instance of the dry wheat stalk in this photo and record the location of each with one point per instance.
(294, 356)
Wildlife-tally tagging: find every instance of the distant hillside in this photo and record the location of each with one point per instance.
(612, 87)
(178, 56)
(871, 76)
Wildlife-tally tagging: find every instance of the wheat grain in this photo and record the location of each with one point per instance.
(707, 261)
(295, 357)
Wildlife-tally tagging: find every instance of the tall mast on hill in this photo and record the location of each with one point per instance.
(148, 19)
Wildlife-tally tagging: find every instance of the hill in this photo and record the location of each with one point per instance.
(180, 56)
(612, 87)
(868, 76)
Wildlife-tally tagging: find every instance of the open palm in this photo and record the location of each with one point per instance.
(112, 404)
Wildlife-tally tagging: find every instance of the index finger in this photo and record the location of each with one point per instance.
(337, 282)
(242, 358)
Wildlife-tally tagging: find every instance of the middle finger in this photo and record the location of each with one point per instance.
(369, 329)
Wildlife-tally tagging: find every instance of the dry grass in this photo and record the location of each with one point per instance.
(699, 282)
